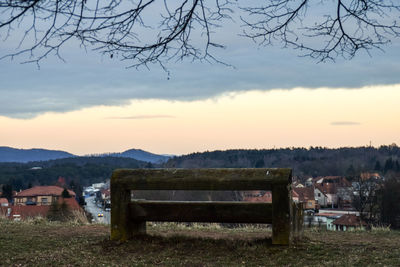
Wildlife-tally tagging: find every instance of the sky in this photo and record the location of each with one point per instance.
(270, 98)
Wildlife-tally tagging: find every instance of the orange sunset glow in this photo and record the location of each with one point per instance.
(254, 119)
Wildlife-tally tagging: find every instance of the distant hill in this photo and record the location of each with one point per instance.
(81, 170)
(9, 154)
(141, 155)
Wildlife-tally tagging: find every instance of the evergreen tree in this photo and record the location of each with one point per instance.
(388, 165)
(351, 171)
(7, 192)
(389, 203)
(65, 193)
(378, 166)
(149, 165)
(259, 164)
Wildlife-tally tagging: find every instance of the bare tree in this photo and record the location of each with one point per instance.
(365, 199)
(150, 31)
(389, 198)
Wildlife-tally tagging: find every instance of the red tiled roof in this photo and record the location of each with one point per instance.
(349, 220)
(106, 192)
(338, 180)
(343, 182)
(327, 188)
(304, 193)
(3, 201)
(51, 190)
(332, 177)
(369, 175)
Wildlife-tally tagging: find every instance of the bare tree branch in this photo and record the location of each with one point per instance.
(326, 30)
(144, 32)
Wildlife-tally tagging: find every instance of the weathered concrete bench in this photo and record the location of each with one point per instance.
(128, 218)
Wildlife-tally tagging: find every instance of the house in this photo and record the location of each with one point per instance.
(4, 202)
(330, 191)
(297, 184)
(40, 195)
(348, 222)
(370, 175)
(320, 196)
(328, 187)
(99, 185)
(304, 195)
(309, 182)
(326, 218)
(105, 194)
(23, 212)
(106, 198)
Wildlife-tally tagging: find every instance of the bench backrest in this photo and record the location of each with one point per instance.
(128, 218)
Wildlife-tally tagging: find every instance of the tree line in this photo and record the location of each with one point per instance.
(82, 171)
(305, 162)
(311, 162)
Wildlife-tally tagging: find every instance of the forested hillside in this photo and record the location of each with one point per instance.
(80, 170)
(9, 154)
(314, 161)
(140, 154)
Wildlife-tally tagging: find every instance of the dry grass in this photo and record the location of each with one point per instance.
(40, 243)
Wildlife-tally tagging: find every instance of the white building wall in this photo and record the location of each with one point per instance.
(320, 197)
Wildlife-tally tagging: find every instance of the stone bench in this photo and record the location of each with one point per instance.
(128, 218)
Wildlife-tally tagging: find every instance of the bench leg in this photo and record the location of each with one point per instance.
(121, 228)
(280, 215)
(297, 221)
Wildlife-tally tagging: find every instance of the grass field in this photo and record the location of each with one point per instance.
(40, 243)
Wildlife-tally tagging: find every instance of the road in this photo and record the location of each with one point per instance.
(94, 210)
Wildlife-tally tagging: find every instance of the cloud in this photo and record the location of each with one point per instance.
(141, 117)
(87, 81)
(345, 123)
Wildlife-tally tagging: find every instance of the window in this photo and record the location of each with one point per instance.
(44, 200)
(319, 194)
